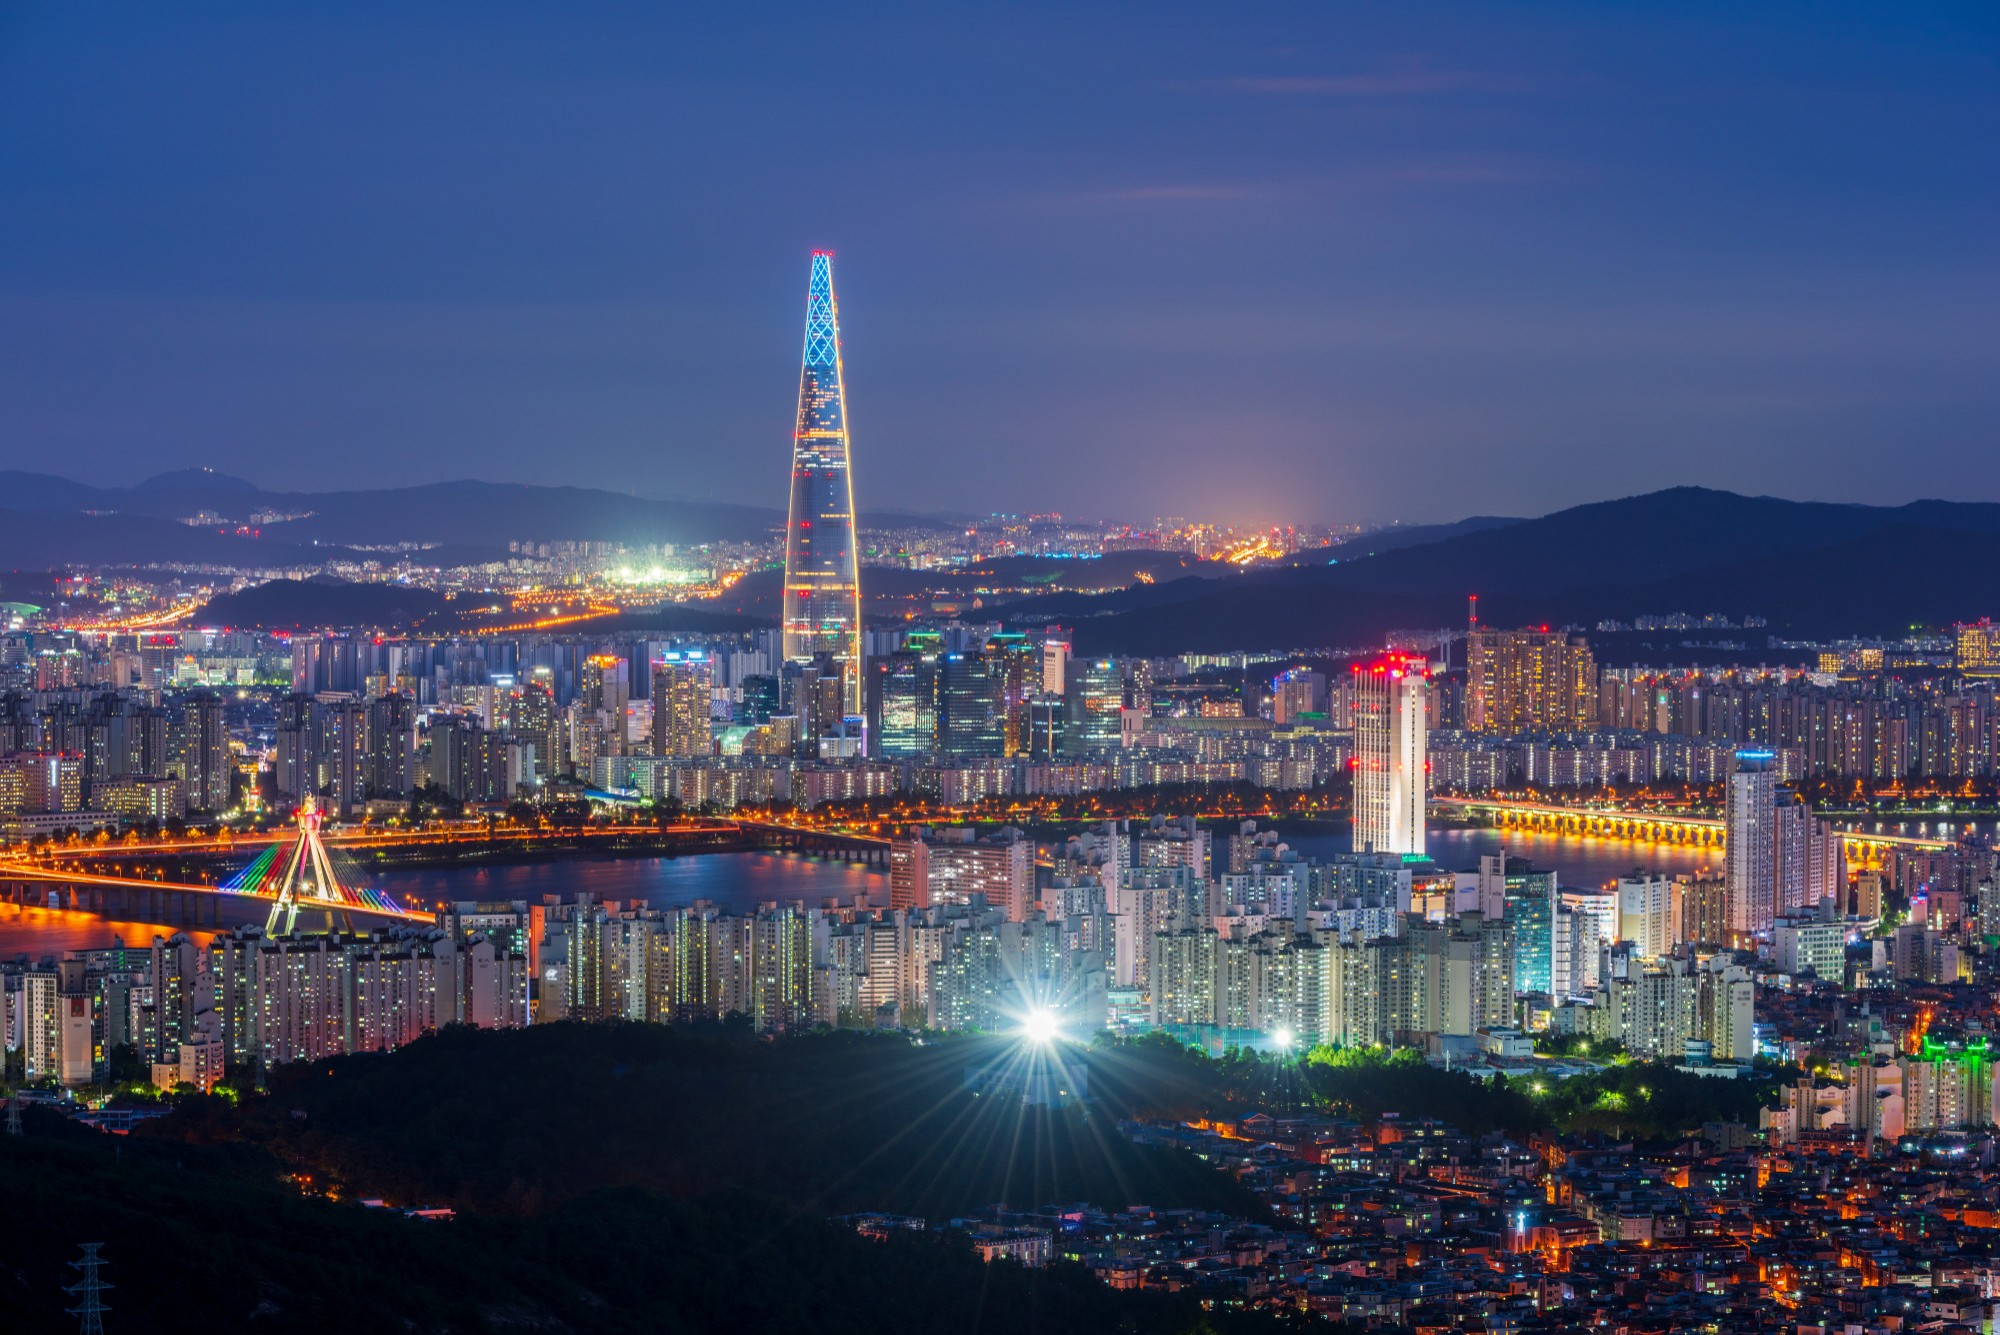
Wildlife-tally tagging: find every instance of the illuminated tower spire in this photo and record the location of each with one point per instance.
(822, 563)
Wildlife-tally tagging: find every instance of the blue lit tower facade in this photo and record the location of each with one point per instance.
(822, 563)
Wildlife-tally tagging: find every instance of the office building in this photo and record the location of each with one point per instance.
(907, 704)
(971, 705)
(1094, 697)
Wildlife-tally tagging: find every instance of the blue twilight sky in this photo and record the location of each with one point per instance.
(1313, 261)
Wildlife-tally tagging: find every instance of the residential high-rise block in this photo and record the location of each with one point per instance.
(1646, 913)
(205, 775)
(683, 685)
(822, 562)
(1529, 681)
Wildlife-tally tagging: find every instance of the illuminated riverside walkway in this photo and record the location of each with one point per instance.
(1650, 827)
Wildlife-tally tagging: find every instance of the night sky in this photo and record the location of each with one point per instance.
(1323, 261)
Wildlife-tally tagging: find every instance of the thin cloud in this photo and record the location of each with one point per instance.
(1182, 194)
(1477, 172)
(1411, 82)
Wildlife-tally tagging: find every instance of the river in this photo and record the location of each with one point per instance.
(740, 881)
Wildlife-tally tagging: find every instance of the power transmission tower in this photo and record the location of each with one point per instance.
(90, 1309)
(14, 1115)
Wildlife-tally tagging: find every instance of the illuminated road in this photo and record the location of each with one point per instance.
(429, 836)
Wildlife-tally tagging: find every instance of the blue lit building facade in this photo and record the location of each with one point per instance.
(1531, 912)
(908, 724)
(1092, 723)
(971, 713)
(822, 615)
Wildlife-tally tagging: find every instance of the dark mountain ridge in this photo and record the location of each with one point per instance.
(1808, 567)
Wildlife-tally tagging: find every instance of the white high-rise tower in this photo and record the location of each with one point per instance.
(1390, 772)
(1751, 844)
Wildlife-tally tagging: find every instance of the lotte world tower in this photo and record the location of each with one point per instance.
(822, 562)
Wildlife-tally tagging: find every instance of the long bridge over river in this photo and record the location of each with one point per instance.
(1864, 848)
(186, 881)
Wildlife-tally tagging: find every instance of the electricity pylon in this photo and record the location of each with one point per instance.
(88, 1290)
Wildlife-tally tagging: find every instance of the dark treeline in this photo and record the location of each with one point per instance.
(1649, 1100)
(607, 1177)
(647, 1178)
(514, 1122)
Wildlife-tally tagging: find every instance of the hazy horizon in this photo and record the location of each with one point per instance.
(1422, 260)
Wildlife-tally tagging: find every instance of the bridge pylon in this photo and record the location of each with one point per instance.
(308, 882)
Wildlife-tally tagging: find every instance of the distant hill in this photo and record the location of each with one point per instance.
(43, 540)
(1807, 567)
(295, 604)
(889, 592)
(482, 515)
(189, 479)
(1398, 536)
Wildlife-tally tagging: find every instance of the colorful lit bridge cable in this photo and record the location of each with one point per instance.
(305, 878)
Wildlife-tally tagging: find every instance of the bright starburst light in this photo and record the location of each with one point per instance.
(1040, 1025)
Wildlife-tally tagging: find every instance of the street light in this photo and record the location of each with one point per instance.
(1040, 1026)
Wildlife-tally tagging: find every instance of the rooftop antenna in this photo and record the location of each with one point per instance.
(90, 1309)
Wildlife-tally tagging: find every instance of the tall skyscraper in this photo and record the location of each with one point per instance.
(822, 563)
(1750, 842)
(1389, 766)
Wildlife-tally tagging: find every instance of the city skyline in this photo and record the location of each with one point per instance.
(1314, 781)
(1491, 243)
